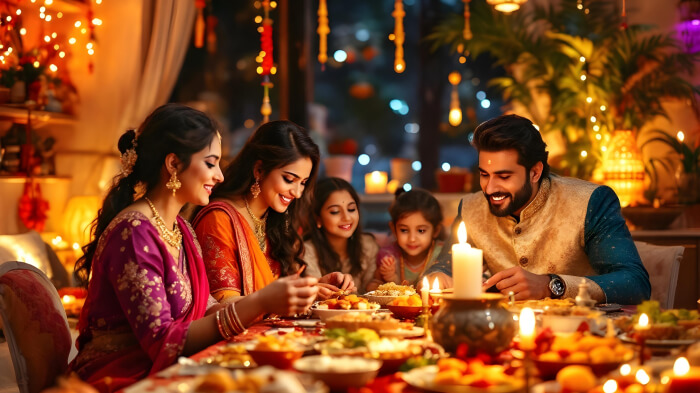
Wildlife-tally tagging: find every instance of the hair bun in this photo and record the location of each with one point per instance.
(126, 141)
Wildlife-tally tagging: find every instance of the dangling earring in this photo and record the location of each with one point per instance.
(286, 221)
(255, 189)
(173, 184)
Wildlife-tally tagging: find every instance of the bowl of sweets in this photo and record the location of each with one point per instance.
(387, 292)
(343, 304)
(406, 306)
(279, 351)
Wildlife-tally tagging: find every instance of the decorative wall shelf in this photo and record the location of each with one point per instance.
(19, 113)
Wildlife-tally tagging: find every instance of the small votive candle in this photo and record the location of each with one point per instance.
(375, 182)
(527, 329)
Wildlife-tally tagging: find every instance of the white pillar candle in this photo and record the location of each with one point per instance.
(467, 267)
(527, 329)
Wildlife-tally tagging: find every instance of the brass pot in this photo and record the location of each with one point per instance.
(483, 324)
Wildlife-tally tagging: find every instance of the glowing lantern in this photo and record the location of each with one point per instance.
(506, 5)
(79, 213)
(623, 168)
(323, 31)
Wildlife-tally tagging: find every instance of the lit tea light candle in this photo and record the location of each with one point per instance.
(424, 292)
(67, 299)
(642, 377)
(643, 323)
(527, 329)
(467, 267)
(685, 379)
(375, 182)
(610, 386)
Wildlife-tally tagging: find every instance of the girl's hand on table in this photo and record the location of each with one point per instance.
(342, 281)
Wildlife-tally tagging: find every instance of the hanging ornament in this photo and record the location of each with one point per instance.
(399, 36)
(455, 116)
(199, 24)
(212, 21)
(467, 33)
(506, 6)
(323, 31)
(265, 58)
(623, 25)
(32, 207)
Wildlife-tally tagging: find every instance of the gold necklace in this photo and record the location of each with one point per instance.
(258, 226)
(172, 237)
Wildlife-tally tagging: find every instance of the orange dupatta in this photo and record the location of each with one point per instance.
(235, 263)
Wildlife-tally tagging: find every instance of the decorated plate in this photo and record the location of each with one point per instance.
(423, 378)
(658, 343)
(403, 333)
(324, 314)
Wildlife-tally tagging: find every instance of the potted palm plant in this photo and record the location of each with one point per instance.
(576, 72)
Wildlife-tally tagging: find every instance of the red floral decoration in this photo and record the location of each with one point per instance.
(33, 208)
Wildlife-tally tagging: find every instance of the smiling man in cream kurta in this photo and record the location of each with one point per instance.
(542, 234)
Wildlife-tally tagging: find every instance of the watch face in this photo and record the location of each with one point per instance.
(556, 286)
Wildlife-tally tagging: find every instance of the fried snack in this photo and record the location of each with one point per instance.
(353, 321)
(585, 348)
(346, 302)
(576, 379)
(217, 382)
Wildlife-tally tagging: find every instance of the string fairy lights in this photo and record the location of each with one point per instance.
(323, 31)
(399, 36)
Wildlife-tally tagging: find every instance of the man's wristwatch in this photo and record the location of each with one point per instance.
(557, 286)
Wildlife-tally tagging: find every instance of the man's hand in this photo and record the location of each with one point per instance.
(523, 284)
(387, 268)
(444, 280)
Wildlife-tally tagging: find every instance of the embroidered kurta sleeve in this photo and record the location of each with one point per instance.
(219, 246)
(136, 263)
(611, 251)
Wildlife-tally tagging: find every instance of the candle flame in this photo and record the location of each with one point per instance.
(436, 286)
(643, 320)
(462, 233)
(681, 367)
(625, 370)
(681, 136)
(642, 376)
(376, 176)
(527, 322)
(67, 299)
(426, 284)
(610, 386)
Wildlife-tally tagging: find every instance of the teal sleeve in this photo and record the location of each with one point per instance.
(443, 262)
(611, 251)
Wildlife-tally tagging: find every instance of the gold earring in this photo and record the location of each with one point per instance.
(255, 189)
(173, 184)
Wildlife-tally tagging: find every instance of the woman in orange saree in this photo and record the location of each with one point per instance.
(248, 232)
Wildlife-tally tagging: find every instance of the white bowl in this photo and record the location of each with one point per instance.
(339, 372)
(563, 323)
(324, 314)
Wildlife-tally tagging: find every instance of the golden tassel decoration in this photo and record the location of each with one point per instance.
(399, 36)
(323, 31)
(467, 33)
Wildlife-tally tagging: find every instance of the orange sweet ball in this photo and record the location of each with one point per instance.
(576, 378)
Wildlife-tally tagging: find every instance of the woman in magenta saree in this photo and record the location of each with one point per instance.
(133, 271)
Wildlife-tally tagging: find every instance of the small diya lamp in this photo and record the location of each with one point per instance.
(682, 379)
(425, 299)
(435, 296)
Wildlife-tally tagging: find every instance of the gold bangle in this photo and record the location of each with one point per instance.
(222, 331)
(237, 319)
(231, 322)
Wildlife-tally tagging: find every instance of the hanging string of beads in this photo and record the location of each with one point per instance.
(323, 31)
(398, 36)
(265, 58)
